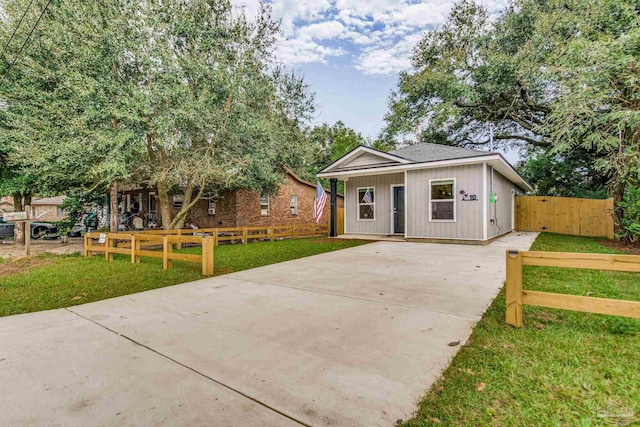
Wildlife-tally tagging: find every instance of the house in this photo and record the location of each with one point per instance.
(428, 191)
(292, 204)
(48, 209)
(6, 204)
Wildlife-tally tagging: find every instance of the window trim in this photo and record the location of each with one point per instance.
(453, 199)
(268, 205)
(291, 205)
(358, 204)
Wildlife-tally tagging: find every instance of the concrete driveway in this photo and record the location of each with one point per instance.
(352, 337)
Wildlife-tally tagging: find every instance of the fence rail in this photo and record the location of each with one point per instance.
(145, 245)
(246, 234)
(516, 297)
(162, 244)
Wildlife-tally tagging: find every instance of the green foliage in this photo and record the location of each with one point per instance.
(573, 174)
(185, 96)
(630, 221)
(58, 123)
(563, 76)
(78, 202)
(332, 142)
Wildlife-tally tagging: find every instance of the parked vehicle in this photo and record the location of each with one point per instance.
(38, 229)
(86, 224)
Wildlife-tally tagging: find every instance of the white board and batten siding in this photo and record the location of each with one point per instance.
(468, 223)
(382, 198)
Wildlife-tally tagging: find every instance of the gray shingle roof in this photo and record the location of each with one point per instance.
(425, 152)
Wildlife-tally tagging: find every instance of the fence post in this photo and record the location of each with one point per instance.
(215, 237)
(179, 244)
(272, 232)
(514, 288)
(207, 255)
(138, 247)
(107, 244)
(166, 249)
(293, 232)
(133, 249)
(244, 235)
(85, 251)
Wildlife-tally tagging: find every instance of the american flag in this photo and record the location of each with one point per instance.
(321, 200)
(367, 196)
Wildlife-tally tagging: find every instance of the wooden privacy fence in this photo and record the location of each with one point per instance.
(516, 297)
(340, 221)
(145, 245)
(565, 215)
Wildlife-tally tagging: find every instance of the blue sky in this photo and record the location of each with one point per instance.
(351, 51)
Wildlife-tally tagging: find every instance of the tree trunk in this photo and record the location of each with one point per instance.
(18, 229)
(113, 200)
(188, 203)
(165, 203)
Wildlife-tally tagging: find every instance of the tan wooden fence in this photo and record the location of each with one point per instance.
(516, 297)
(565, 215)
(162, 243)
(247, 234)
(152, 246)
(340, 221)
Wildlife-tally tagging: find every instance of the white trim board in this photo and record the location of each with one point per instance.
(455, 200)
(495, 160)
(359, 151)
(375, 214)
(485, 198)
(392, 228)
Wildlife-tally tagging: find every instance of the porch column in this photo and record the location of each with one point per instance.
(334, 207)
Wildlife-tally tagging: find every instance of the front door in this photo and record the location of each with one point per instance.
(398, 210)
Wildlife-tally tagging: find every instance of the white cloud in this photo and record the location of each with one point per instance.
(322, 30)
(378, 35)
(388, 59)
(297, 51)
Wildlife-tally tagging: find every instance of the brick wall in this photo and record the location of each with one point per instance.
(279, 209)
(242, 208)
(49, 213)
(225, 212)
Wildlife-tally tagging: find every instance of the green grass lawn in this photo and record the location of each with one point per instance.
(62, 281)
(562, 368)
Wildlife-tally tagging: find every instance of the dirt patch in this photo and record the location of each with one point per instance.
(40, 247)
(628, 247)
(21, 265)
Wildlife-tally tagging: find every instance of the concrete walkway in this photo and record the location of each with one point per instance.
(352, 337)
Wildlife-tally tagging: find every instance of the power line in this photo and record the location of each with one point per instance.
(6, 47)
(25, 42)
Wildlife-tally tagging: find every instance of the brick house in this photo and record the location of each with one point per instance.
(47, 209)
(293, 204)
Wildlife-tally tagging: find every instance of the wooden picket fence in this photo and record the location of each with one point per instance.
(152, 246)
(163, 243)
(565, 215)
(516, 297)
